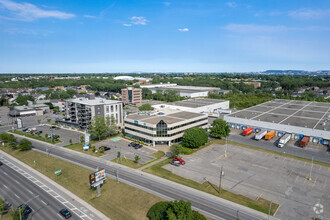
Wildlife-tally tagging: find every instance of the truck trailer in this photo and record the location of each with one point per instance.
(270, 135)
(283, 140)
(247, 131)
(260, 135)
(304, 141)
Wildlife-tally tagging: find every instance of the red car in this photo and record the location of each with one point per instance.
(180, 160)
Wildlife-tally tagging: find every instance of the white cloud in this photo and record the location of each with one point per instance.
(138, 20)
(183, 29)
(127, 25)
(90, 16)
(29, 12)
(309, 13)
(254, 28)
(231, 4)
(167, 3)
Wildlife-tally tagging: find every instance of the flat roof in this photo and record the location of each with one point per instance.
(305, 114)
(96, 101)
(169, 116)
(196, 103)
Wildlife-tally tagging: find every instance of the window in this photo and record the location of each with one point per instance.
(116, 107)
(161, 129)
(107, 109)
(112, 108)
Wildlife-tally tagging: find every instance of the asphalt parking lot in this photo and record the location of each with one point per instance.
(258, 174)
(119, 144)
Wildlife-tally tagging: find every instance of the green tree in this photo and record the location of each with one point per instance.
(13, 145)
(25, 144)
(22, 99)
(6, 137)
(70, 141)
(219, 128)
(98, 128)
(101, 150)
(175, 150)
(136, 159)
(173, 210)
(17, 215)
(111, 124)
(49, 120)
(146, 93)
(194, 137)
(82, 138)
(145, 107)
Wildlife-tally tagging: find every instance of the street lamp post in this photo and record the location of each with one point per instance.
(19, 208)
(310, 173)
(226, 148)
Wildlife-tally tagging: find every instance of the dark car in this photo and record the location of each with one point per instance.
(65, 213)
(1, 163)
(175, 163)
(132, 144)
(26, 208)
(105, 148)
(137, 146)
(7, 208)
(25, 129)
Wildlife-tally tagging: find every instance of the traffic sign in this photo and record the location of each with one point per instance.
(58, 171)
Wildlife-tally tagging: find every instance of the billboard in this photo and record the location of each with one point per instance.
(97, 176)
(87, 139)
(19, 123)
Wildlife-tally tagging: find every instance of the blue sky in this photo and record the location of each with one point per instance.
(163, 36)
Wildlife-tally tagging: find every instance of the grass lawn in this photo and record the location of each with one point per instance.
(261, 204)
(117, 200)
(127, 162)
(34, 136)
(79, 147)
(222, 142)
(132, 164)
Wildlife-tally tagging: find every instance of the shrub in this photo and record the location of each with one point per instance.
(136, 159)
(25, 144)
(101, 150)
(93, 148)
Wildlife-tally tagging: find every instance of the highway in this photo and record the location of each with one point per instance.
(17, 189)
(201, 201)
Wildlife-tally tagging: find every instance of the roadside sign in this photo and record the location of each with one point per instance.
(87, 138)
(19, 123)
(58, 171)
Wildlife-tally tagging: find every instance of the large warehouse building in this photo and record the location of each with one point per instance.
(199, 105)
(299, 118)
(162, 127)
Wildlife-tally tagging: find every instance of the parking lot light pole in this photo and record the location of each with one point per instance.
(310, 173)
(270, 205)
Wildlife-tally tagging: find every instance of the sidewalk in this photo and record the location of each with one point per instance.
(150, 164)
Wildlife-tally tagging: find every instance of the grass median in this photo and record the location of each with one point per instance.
(34, 136)
(260, 204)
(132, 164)
(117, 200)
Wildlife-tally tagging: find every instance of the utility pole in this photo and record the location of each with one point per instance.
(310, 173)
(220, 180)
(270, 205)
(19, 208)
(117, 178)
(237, 214)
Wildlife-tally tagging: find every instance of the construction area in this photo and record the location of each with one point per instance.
(299, 118)
(259, 174)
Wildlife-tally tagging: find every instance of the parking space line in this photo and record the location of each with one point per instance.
(296, 179)
(272, 156)
(218, 158)
(290, 173)
(297, 163)
(305, 164)
(314, 181)
(320, 167)
(284, 159)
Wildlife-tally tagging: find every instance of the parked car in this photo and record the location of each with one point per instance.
(132, 144)
(25, 129)
(1, 163)
(26, 208)
(65, 213)
(180, 160)
(137, 146)
(6, 208)
(175, 163)
(105, 148)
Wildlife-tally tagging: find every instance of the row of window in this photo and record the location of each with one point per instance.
(168, 129)
(159, 134)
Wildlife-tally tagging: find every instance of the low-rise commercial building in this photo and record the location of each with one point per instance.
(80, 112)
(162, 127)
(21, 111)
(198, 105)
(131, 95)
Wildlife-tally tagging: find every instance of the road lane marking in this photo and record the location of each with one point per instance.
(296, 179)
(5, 186)
(59, 215)
(16, 181)
(17, 196)
(5, 173)
(30, 192)
(43, 202)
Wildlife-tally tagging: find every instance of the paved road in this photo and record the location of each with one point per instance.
(200, 201)
(319, 154)
(17, 189)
